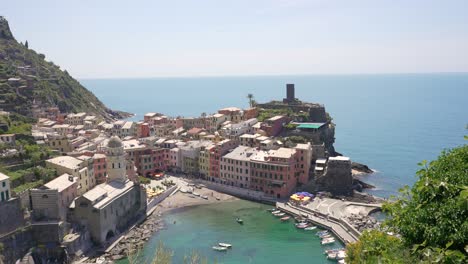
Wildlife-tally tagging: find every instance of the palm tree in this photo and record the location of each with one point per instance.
(251, 99)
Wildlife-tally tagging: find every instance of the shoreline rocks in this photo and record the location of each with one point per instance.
(135, 239)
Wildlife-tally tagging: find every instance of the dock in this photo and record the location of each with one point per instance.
(341, 229)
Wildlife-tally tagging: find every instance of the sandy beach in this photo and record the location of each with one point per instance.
(181, 200)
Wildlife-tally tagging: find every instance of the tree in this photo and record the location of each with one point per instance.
(251, 99)
(431, 217)
(26, 44)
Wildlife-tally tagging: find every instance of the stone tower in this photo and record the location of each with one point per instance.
(116, 163)
(290, 95)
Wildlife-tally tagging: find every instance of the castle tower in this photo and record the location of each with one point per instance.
(116, 163)
(290, 96)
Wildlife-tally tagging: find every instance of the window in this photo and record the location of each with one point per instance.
(3, 184)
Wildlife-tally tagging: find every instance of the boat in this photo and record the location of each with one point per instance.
(338, 255)
(310, 228)
(286, 218)
(334, 250)
(217, 198)
(204, 197)
(319, 233)
(325, 236)
(271, 210)
(225, 245)
(328, 241)
(240, 221)
(302, 225)
(341, 261)
(196, 194)
(280, 215)
(276, 212)
(218, 248)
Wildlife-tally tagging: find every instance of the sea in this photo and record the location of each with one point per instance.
(390, 122)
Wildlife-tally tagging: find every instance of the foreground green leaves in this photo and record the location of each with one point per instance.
(431, 218)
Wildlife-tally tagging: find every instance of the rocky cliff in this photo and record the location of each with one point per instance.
(26, 78)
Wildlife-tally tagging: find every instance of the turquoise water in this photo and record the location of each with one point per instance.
(263, 239)
(389, 122)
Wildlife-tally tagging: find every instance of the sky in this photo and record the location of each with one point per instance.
(152, 38)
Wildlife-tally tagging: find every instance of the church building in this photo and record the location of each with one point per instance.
(111, 207)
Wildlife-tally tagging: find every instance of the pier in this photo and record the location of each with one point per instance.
(341, 229)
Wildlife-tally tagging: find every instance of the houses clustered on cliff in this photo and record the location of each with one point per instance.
(97, 193)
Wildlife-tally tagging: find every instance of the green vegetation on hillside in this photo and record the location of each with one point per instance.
(39, 81)
(431, 218)
(25, 168)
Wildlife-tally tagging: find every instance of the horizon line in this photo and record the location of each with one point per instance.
(272, 75)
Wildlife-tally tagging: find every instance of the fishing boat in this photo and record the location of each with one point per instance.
(310, 228)
(302, 225)
(319, 233)
(325, 236)
(328, 241)
(338, 255)
(280, 215)
(334, 250)
(225, 245)
(240, 221)
(286, 218)
(218, 248)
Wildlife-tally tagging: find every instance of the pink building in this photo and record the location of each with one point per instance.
(143, 129)
(220, 149)
(100, 170)
(274, 172)
(304, 157)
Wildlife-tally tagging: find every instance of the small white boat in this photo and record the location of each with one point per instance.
(328, 241)
(276, 212)
(286, 218)
(196, 194)
(225, 245)
(218, 248)
(280, 215)
(325, 236)
(310, 228)
(341, 261)
(204, 197)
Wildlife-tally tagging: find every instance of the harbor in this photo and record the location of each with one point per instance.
(261, 239)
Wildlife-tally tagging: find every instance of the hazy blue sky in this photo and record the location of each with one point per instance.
(123, 38)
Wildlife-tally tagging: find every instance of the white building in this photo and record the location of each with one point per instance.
(4, 187)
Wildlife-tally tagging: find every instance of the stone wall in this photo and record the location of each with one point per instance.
(337, 178)
(16, 245)
(11, 215)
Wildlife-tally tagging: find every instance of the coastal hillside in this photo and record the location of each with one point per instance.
(28, 81)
